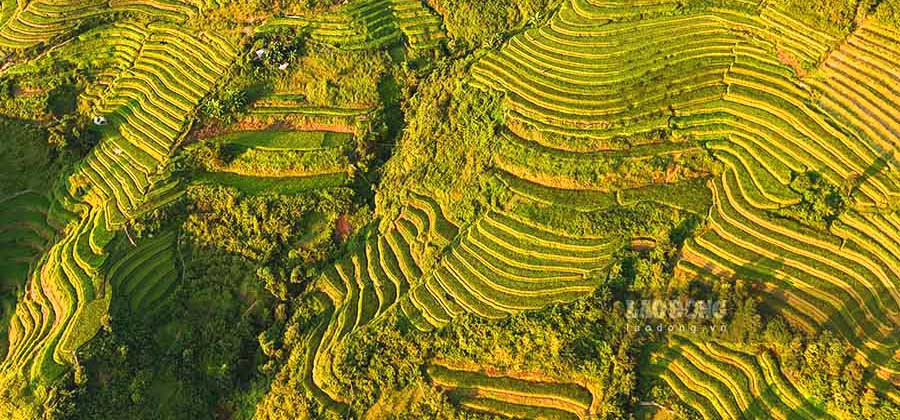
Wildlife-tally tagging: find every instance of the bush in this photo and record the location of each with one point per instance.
(822, 202)
(25, 156)
(225, 105)
(268, 230)
(483, 23)
(833, 16)
(888, 13)
(72, 134)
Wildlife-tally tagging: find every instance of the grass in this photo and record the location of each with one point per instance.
(285, 140)
(281, 185)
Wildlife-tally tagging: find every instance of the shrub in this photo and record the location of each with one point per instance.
(484, 23)
(833, 16)
(822, 202)
(225, 105)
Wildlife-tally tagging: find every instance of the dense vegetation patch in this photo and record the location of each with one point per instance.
(280, 231)
(835, 16)
(821, 204)
(26, 156)
(487, 23)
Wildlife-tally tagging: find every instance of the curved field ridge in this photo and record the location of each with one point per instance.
(371, 24)
(847, 286)
(579, 81)
(148, 106)
(741, 80)
(63, 301)
(427, 270)
(109, 48)
(502, 265)
(38, 21)
(719, 381)
(146, 274)
(512, 396)
(363, 287)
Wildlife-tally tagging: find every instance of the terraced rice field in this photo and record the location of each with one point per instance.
(284, 161)
(514, 397)
(572, 88)
(711, 113)
(288, 105)
(503, 265)
(359, 290)
(364, 24)
(719, 381)
(859, 86)
(27, 24)
(148, 105)
(146, 274)
(579, 81)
